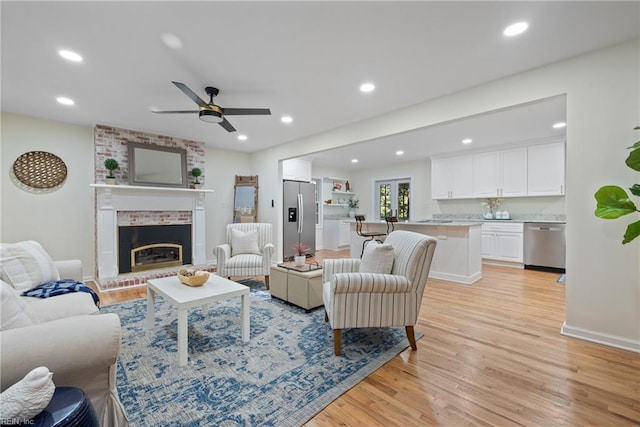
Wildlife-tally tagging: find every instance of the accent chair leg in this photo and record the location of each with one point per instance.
(412, 337)
(266, 281)
(326, 316)
(337, 341)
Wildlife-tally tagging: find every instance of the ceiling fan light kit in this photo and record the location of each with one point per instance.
(210, 116)
(212, 113)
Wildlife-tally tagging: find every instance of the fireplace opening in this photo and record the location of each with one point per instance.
(148, 247)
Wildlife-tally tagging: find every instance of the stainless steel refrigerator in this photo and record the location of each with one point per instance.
(299, 206)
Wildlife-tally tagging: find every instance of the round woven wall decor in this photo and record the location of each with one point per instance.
(39, 169)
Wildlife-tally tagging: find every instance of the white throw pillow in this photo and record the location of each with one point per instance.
(15, 312)
(25, 265)
(244, 243)
(377, 258)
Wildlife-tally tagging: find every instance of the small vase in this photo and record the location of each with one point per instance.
(299, 260)
(196, 186)
(352, 214)
(110, 181)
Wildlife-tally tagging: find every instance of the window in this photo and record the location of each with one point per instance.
(393, 198)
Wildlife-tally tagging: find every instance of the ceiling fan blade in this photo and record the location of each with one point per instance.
(174, 112)
(190, 94)
(225, 124)
(246, 111)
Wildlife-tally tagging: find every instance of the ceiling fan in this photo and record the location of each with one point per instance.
(212, 113)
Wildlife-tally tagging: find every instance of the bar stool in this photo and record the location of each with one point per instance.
(391, 222)
(370, 235)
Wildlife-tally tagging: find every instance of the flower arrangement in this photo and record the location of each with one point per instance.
(111, 165)
(300, 248)
(492, 204)
(354, 203)
(196, 172)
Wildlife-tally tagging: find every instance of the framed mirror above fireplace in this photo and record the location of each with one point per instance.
(157, 166)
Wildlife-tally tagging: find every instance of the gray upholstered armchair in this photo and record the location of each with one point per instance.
(248, 251)
(355, 299)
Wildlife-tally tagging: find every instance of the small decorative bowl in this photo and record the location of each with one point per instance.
(195, 280)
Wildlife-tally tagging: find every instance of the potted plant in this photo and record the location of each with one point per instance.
(614, 202)
(111, 165)
(353, 204)
(300, 257)
(196, 172)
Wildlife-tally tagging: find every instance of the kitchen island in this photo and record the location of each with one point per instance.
(458, 254)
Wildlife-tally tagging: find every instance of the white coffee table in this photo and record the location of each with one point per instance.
(184, 297)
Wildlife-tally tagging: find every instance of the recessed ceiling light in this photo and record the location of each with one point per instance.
(354, 160)
(515, 29)
(559, 125)
(242, 137)
(467, 141)
(172, 41)
(70, 56)
(286, 119)
(367, 87)
(64, 100)
(399, 153)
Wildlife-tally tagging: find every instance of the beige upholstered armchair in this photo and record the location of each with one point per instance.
(355, 298)
(248, 251)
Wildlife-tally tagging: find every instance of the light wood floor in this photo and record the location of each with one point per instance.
(492, 354)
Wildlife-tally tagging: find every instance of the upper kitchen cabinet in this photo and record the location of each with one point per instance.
(452, 177)
(546, 166)
(296, 170)
(500, 173)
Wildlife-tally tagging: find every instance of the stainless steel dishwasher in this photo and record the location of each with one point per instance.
(544, 246)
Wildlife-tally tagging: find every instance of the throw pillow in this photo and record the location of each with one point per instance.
(377, 258)
(244, 243)
(15, 312)
(26, 264)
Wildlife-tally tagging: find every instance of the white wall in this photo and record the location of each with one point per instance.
(63, 220)
(602, 89)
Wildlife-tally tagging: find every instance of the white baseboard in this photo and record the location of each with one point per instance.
(466, 280)
(601, 338)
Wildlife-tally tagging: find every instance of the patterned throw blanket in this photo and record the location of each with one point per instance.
(61, 287)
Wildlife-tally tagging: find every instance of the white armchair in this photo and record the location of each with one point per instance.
(248, 251)
(354, 299)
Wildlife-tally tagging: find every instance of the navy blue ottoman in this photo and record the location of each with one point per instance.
(69, 406)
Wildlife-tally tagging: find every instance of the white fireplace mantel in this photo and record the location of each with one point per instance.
(113, 198)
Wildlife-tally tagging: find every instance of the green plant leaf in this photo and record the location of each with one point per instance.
(635, 189)
(633, 161)
(633, 231)
(613, 202)
(636, 145)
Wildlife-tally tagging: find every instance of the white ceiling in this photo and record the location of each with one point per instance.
(306, 59)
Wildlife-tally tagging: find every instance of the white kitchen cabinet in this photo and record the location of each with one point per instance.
(452, 177)
(296, 170)
(500, 173)
(344, 234)
(503, 243)
(336, 234)
(546, 169)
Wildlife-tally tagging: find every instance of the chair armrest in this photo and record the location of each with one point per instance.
(267, 255)
(223, 253)
(71, 348)
(374, 283)
(334, 266)
(69, 269)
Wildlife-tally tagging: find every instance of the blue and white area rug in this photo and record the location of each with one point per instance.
(283, 376)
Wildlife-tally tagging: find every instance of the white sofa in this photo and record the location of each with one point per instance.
(66, 334)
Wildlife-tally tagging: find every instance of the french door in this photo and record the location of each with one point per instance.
(393, 198)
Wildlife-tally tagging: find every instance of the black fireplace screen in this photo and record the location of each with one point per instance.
(146, 247)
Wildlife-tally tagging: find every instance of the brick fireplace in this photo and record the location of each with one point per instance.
(125, 206)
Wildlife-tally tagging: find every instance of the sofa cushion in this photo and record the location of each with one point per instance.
(377, 258)
(244, 243)
(15, 312)
(25, 265)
